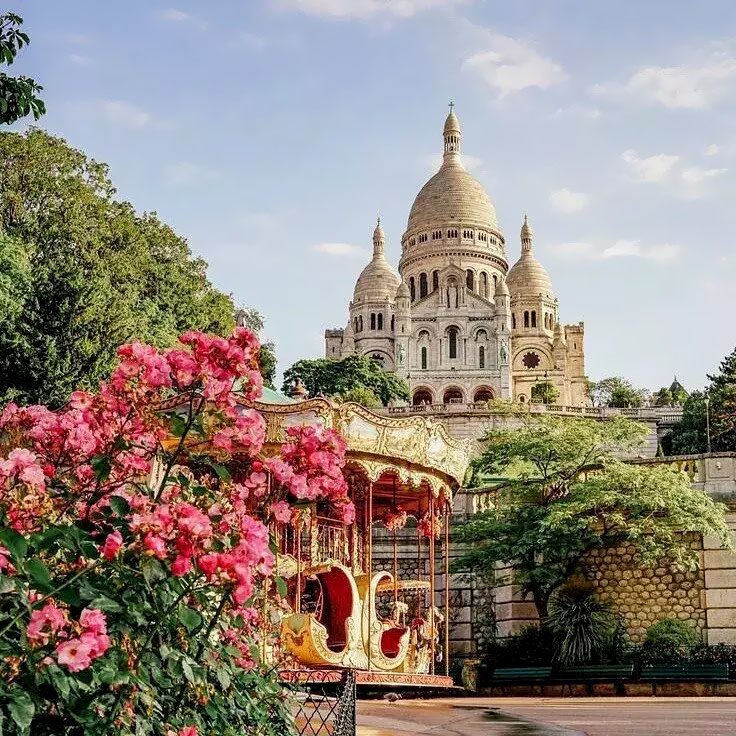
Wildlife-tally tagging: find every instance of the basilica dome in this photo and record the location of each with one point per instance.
(452, 195)
(377, 281)
(527, 276)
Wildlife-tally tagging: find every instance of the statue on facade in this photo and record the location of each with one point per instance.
(503, 352)
(402, 354)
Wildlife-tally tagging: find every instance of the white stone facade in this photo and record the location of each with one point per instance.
(457, 324)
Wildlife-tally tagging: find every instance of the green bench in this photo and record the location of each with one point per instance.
(709, 673)
(594, 673)
(503, 676)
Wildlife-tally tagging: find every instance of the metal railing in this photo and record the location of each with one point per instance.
(323, 702)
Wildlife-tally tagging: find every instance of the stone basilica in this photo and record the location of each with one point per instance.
(456, 323)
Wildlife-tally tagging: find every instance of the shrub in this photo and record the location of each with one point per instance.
(669, 640)
(580, 624)
(532, 646)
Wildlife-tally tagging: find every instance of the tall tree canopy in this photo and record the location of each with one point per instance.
(18, 95)
(690, 435)
(567, 494)
(341, 377)
(82, 273)
(616, 392)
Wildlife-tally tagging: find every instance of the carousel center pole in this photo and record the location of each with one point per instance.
(432, 619)
(369, 566)
(447, 587)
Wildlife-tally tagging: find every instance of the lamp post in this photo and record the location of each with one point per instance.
(707, 422)
(546, 389)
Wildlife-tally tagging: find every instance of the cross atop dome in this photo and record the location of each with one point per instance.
(452, 135)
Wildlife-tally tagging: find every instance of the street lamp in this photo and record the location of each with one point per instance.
(707, 422)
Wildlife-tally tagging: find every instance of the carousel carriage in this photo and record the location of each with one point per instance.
(349, 607)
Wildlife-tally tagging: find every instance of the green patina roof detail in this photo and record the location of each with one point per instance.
(269, 396)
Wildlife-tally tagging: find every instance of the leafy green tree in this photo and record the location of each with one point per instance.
(546, 392)
(690, 435)
(18, 95)
(336, 377)
(568, 494)
(616, 392)
(361, 395)
(673, 395)
(84, 273)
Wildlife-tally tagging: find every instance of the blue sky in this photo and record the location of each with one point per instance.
(268, 131)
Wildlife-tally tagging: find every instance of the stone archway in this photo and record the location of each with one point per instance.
(483, 393)
(453, 395)
(422, 396)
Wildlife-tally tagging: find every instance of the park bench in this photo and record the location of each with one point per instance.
(503, 676)
(709, 673)
(594, 673)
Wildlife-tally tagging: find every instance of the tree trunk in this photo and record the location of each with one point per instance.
(540, 602)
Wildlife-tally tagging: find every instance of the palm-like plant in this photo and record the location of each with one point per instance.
(580, 623)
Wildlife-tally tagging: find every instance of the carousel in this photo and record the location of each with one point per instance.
(344, 607)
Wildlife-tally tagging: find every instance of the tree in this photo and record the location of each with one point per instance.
(546, 392)
(84, 273)
(18, 95)
(663, 397)
(690, 435)
(567, 494)
(361, 395)
(672, 395)
(336, 377)
(253, 320)
(142, 603)
(616, 392)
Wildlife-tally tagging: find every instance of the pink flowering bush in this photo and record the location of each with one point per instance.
(135, 551)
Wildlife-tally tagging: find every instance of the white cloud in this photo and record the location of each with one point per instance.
(364, 9)
(186, 173)
(509, 65)
(696, 85)
(126, 114)
(712, 150)
(174, 15)
(576, 111)
(338, 249)
(650, 168)
(697, 175)
(619, 249)
(567, 201)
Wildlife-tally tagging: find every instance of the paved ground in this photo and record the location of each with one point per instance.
(549, 717)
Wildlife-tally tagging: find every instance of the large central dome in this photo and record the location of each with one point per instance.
(452, 195)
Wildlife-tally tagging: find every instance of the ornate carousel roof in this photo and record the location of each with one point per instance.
(418, 449)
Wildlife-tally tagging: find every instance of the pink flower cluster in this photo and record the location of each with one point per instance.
(395, 518)
(430, 526)
(76, 645)
(234, 638)
(310, 468)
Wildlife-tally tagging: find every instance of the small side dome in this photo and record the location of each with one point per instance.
(452, 124)
(378, 281)
(501, 287)
(527, 276)
(403, 291)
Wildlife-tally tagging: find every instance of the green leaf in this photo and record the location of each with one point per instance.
(104, 603)
(119, 505)
(102, 465)
(21, 708)
(222, 472)
(40, 574)
(153, 570)
(60, 680)
(190, 618)
(223, 677)
(186, 668)
(15, 543)
(281, 587)
(178, 425)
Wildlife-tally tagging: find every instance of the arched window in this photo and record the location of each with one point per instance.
(422, 285)
(412, 289)
(423, 335)
(453, 396)
(435, 280)
(452, 341)
(481, 335)
(422, 396)
(482, 394)
(470, 280)
(484, 284)
(481, 357)
(360, 323)
(526, 319)
(392, 323)
(513, 321)
(424, 358)
(380, 320)
(534, 317)
(355, 325)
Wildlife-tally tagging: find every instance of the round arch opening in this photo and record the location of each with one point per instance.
(484, 393)
(452, 395)
(422, 396)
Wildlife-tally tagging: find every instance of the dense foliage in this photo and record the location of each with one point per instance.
(690, 435)
(83, 273)
(545, 392)
(566, 494)
(135, 563)
(616, 392)
(326, 377)
(18, 95)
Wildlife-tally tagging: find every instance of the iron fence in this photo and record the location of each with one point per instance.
(324, 702)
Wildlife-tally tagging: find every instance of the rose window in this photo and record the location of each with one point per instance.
(531, 360)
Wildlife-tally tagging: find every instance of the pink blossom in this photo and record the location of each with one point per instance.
(281, 511)
(155, 545)
(181, 566)
(46, 622)
(98, 643)
(207, 564)
(74, 654)
(112, 546)
(6, 566)
(93, 620)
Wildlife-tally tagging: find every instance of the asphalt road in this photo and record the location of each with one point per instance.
(549, 717)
